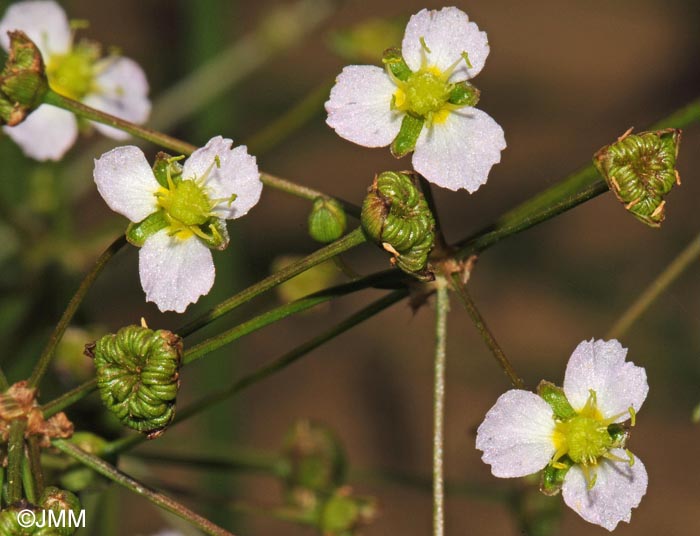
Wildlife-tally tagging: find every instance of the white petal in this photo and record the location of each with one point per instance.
(447, 34)
(126, 182)
(46, 134)
(122, 91)
(516, 435)
(45, 23)
(618, 488)
(601, 366)
(237, 173)
(174, 272)
(359, 108)
(459, 152)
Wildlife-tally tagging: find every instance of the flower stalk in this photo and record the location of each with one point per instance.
(442, 309)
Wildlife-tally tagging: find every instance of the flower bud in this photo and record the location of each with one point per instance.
(10, 520)
(396, 215)
(343, 514)
(138, 376)
(640, 169)
(56, 500)
(23, 81)
(315, 457)
(327, 221)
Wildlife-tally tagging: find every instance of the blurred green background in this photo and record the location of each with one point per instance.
(563, 79)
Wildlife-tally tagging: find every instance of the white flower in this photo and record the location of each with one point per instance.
(455, 144)
(579, 432)
(177, 218)
(114, 85)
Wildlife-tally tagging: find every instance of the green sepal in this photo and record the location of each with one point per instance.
(640, 169)
(619, 434)
(464, 94)
(407, 137)
(555, 397)
(138, 233)
(215, 234)
(327, 220)
(393, 59)
(166, 166)
(552, 477)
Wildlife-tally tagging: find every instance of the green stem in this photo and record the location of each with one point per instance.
(59, 330)
(28, 481)
(350, 240)
(34, 459)
(291, 357)
(62, 402)
(15, 460)
(442, 308)
(265, 319)
(677, 266)
(577, 188)
(485, 332)
(238, 460)
(107, 470)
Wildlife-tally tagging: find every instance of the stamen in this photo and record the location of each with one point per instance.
(424, 54)
(633, 416)
(631, 457)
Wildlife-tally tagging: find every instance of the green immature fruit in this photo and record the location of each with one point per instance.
(138, 376)
(640, 169)
(396, 216)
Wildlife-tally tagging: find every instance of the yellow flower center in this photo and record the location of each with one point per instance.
(426, 94)
(73, 74)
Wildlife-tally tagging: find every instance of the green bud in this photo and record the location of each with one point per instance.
(23, 81)
(343, 514)
(405, 140)
(640, 169)
(394, 61)
(555, 397)
(396, 216)
(315, 457)
(9, 520)
(56, 500)
(327, 220)
(552, 477)
(138, 376)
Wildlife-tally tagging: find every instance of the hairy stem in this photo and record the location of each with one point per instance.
(350, 240)
(442, 308)
(76, 300)
(677, 266)
(109, 471)
(485, 332)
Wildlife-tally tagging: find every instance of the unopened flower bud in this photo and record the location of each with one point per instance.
(138, 376)
(327, 221)
(396, 215)
(640, 169)
(343, 514)
(23, 81)
(56, 500)
(315, 457)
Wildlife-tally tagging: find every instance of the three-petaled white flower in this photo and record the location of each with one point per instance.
(423, 102)
(577, 435)
(114, 85)
(179, 213)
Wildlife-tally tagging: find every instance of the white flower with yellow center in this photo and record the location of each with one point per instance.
(114, 85)
(179, 213)
(422, 101)
(576, 434)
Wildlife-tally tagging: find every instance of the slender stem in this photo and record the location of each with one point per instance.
(677, 266)
(15, 459)
(265, 319)
(59, 330)
(28, 481)
(62, 402)
(291, 357)
(239, 460)
(105, 469)
(34, 458)
(577, 188)
(485, 332)
(442, 308)
(350, 240)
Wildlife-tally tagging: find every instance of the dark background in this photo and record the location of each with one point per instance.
(562, 79)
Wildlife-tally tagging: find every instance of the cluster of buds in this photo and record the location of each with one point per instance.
(23, 80)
